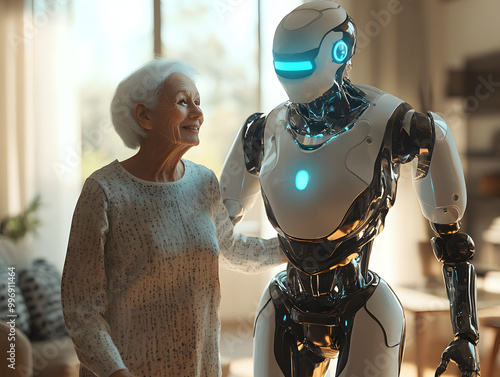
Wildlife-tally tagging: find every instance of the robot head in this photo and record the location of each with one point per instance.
(312, 46)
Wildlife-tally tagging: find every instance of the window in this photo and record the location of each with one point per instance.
(112, 38)
(221, 38)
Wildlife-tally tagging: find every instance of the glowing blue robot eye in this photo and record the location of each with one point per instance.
(293, 66)
(339, 51)
(301, 180)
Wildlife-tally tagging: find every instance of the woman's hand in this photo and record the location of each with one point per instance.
(122, 373)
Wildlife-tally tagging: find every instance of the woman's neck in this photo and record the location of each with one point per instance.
(157, 163)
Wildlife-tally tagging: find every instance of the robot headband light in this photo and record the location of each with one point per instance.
(294, 69)
(295, 66)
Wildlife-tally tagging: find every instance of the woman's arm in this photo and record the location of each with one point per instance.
(249, 254)
(83, 287)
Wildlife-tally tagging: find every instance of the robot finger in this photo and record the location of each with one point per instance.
(442, 367)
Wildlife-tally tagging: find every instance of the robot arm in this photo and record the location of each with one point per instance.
(440, 187)
(239, 181)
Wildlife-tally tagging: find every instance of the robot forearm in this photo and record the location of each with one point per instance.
(455, 249)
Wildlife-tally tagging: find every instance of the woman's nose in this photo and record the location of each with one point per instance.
(196, 112)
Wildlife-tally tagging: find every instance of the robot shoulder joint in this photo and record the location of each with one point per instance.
(253, 142)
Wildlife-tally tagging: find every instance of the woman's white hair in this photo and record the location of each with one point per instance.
(143, 85)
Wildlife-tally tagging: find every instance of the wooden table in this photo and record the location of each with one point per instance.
(422, 301)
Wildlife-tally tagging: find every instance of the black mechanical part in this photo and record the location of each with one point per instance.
(445, 229)
(417, 141)
(451, 245)
(460, 285)
(253, 142)
(306, 338)
(455, 249)
(314, 124)
(464, 354)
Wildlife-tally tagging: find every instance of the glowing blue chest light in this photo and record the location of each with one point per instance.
(293, 66)
(301, 180)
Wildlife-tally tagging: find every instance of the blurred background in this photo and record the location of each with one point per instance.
(60, 61)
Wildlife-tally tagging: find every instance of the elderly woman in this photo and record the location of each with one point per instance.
(140, 287)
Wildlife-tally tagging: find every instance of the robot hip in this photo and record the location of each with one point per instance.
(369, 326)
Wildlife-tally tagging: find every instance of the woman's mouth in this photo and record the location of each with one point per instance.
(192, 128)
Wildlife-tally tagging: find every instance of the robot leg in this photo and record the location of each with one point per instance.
(265, 364)
(278, 337)
(377, 337)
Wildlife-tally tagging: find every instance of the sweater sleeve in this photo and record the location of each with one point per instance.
(83, 288)
(238, 251)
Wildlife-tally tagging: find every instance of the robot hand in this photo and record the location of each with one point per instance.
(464, 354)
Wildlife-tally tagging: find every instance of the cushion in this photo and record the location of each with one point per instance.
(40, 285)
(9, 279)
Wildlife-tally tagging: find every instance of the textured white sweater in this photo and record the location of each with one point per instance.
(140, 287)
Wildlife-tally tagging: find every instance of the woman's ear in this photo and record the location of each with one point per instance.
(142, 115)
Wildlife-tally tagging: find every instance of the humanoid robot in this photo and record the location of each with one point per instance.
(327, 164)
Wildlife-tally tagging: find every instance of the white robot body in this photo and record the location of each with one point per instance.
(310, 25)
(327, 164)
(239, 188)
(442, 193)
(310, 191)
(378, 330)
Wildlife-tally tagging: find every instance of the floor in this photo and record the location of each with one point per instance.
(244, 368)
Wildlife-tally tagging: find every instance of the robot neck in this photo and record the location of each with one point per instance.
(341, 104)
(315, 123)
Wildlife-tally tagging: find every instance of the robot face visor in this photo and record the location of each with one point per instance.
(301, 65)
(295, 66)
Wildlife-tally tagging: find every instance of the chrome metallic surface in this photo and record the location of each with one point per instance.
(253, 142)
(307, 335)
(445, 229)
(455, 249)
(315, 123)
(462, 295)
(328, 164)
(461, 288)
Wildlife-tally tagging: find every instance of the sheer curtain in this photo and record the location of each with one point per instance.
(39, 132)
(16, 111)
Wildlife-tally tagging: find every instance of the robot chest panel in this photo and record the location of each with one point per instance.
(310, 192)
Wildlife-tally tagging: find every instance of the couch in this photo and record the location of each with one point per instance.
(33, 331)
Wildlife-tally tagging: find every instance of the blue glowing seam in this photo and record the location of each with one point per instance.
(301, 180)
(293, 66)
(339, 51)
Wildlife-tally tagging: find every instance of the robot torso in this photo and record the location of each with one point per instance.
(336, 194)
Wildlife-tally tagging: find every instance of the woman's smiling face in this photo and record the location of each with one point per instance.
(178, 116)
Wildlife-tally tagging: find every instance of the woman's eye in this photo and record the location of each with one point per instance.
(182, 101)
